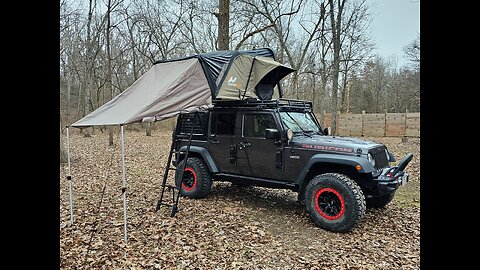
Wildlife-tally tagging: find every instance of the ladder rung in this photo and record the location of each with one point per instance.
(171, 186)
(167, 204)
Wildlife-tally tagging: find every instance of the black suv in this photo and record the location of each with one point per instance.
(280, 144)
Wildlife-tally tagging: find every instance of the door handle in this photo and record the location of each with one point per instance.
(214, 141)
(244, 144)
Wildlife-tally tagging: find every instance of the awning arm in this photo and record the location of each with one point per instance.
(124, 183)
(69, 175)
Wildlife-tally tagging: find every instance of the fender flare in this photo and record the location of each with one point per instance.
(207, 158)
(366, 166)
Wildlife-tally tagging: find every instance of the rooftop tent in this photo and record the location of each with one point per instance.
(252, 76)
(189, 84)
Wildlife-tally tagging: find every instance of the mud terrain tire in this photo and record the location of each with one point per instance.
(335, 202)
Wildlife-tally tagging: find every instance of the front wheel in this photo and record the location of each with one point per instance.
(335, 202)
(197, 180)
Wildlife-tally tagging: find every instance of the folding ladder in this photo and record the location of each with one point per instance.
(176, 137)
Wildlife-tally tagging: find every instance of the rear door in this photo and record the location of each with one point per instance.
(221, 140)
(257, 156)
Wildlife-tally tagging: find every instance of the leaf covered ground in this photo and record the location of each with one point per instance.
(233, 228)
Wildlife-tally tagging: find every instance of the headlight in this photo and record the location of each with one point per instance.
(370, 158)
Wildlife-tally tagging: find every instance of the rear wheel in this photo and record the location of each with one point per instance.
(197, 180)
(335, 202)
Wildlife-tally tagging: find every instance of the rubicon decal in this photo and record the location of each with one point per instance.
(328, 148)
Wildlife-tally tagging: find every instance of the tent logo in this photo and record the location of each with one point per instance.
(232, 81)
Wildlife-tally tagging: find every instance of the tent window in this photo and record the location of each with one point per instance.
(223, 123)
(254, 125)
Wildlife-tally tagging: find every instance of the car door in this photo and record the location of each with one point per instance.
(222, 141)
(257, 156)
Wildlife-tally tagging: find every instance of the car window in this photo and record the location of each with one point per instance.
(254, 125)
(223, 123)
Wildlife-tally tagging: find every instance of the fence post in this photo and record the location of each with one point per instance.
(385, 128)
(406, 116)
(363, 125)
(324, 115)
(337, 119)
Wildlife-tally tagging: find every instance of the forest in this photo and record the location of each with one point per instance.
(106, 45)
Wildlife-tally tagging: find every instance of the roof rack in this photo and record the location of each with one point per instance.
(248, 103)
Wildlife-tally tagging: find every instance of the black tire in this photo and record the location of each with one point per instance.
(335, 202)
(379, 202)
(197, 179)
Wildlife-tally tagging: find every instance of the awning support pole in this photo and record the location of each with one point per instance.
(69, 176)
(124, 187)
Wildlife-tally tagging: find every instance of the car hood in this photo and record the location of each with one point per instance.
(333, 143)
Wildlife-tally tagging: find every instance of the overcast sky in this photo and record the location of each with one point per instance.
(395, 24)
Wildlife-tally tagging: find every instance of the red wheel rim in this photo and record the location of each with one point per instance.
(189, 181)
(329, 203)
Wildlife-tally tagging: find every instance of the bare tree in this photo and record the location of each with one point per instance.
(109, 87)
(412, 52)
(223, 17)
(356, 45)
(336, 25)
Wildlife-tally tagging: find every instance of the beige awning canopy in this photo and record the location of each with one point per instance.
(162, 92)
(252, 77)
(190, 84)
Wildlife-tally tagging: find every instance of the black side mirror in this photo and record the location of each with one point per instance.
(272, 133)
(325, 131)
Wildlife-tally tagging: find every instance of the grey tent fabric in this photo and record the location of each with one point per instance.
(246, 72)
(162, 92)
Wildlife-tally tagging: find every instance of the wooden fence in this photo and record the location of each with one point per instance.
(374, 124)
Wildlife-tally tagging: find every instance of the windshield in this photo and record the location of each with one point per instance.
(299, 121)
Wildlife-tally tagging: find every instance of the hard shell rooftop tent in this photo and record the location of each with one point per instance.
(188, 84)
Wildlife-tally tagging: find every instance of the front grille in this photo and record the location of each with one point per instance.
(380, 157)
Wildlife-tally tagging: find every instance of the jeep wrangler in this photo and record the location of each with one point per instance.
(280, 144)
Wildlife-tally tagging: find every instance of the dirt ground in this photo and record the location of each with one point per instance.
(233, 228)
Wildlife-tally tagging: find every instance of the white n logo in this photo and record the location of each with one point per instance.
(232, 81)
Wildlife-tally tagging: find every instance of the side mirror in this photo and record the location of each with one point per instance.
(325, 131)
(271, 133)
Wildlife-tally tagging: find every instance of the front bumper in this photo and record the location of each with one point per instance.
(391, 178)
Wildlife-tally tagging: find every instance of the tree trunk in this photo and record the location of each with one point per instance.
(63, 152)
(223, 24)
(109, 87)
(336, 24)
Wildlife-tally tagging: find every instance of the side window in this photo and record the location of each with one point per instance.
(254, 125)
(223, 123)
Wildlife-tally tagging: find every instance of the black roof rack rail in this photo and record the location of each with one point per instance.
(262, 103)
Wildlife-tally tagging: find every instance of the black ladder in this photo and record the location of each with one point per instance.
(175, 195)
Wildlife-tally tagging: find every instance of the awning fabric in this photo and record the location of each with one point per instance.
(190, 84)
(162, 92)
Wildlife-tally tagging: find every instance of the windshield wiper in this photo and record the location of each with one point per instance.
(303, 131)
